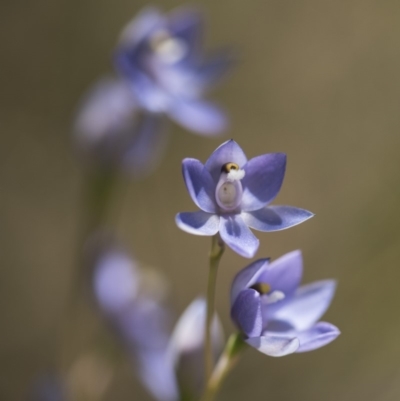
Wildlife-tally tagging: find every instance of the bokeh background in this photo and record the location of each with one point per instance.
(318, 80)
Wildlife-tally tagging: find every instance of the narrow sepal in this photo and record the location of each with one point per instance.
(275, 218)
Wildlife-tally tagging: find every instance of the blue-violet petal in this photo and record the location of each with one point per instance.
(198, 223)
(247, 277)
(306, 307)
(275, 218)
(229, 151)
(246, 313)
(238, 236)
(283, 274)
(200, 185)
(263, 180)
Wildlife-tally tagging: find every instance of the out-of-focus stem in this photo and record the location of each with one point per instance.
(224, 365)
(97, 204)
(101, 199)
(98, 194)
(217, 249)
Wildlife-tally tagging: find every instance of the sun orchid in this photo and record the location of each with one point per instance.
(161, 56)
(233, 194)
(276, 316)
(162, 73)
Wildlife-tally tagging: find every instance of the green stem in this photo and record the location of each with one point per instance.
(224, 365)
(217, 249)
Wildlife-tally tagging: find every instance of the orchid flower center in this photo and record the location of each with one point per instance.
(268, 296)
(168, 48)
(228, 192)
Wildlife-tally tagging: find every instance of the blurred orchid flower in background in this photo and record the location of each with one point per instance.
(161, 56)
(111, 131)
(187, 346)
(277, 316)
(138, 317)
(132, 302)
(233, 194)
(162, 70)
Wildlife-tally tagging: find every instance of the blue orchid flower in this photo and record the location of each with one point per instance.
(161, 56)
(276, 316)
(233, 194)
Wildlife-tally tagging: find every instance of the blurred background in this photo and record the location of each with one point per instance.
(318, 80)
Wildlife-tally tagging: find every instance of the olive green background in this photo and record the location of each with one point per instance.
(318, 80)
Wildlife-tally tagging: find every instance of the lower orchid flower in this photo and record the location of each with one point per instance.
(276, 316)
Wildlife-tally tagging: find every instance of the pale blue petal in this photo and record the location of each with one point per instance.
(188, 334)
(229, 151)
(198, 223)
(143, 324)
(275, 218)
(274, 345)
(187, 345)
(263, 180)
(306, 307)
(157, 373)
(198, 116)
(238, 236)
(115, 281)
(200, 185)
(246, 313)
(106, 111)
(212, 70)
(247, 277)
(317, 336)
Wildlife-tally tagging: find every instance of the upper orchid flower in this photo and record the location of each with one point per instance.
(161, 56)
(233, 194)
(275, 315)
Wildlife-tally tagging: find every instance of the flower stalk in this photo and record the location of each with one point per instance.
(225, 364)
(217, 249)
